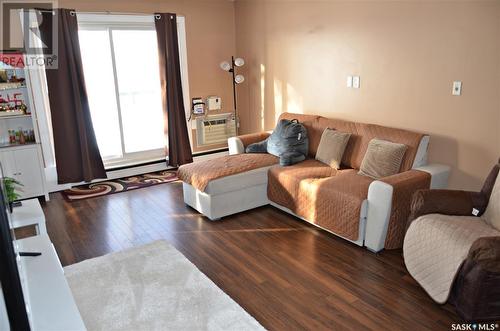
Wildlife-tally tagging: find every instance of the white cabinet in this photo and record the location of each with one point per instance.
(8, 163)
(24, 163)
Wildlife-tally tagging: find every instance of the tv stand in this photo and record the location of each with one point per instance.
(46, 291)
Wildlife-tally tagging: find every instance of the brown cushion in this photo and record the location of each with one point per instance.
(199, 174)
(331, 147)
(334, 203)
(382, 158)
(284, 182)
(361, 134)
(370, 131)
(354, 145)
(330, 201)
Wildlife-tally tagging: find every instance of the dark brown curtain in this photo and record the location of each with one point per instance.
(76, 151)
(176, 131)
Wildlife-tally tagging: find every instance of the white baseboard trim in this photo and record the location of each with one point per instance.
(138, 170)
(53, 186)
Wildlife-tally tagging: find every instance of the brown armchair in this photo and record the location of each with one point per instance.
(452, 247)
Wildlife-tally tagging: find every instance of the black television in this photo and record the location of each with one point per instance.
(13, 305)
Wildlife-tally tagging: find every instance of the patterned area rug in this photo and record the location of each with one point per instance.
(119, 185)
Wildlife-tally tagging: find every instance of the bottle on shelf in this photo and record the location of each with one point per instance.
(12, 136)
(22, 138)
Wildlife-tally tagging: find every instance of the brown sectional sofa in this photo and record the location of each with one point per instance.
(366, 211)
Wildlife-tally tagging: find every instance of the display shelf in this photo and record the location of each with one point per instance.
(11, 86)
(23, 162)
(7, 145)
(7, 117)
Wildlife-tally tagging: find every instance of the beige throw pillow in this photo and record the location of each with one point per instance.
(382, 158)
(492, 213)
(331, 147)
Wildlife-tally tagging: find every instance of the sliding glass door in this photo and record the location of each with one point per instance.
(123, 85)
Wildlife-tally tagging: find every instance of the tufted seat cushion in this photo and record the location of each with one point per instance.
(201, 174)
(321, 195)
(284, 182)
(335, 203)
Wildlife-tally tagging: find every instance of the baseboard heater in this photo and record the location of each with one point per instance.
(215, 129)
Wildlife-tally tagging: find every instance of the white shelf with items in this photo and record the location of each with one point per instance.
(20, 149)
(13, 114)
(11, 85)
(16, 121)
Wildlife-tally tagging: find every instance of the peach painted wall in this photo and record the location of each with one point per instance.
(210, 38)
(407, 53)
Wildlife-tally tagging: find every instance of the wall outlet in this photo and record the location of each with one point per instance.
(356, 81)
(457, 88)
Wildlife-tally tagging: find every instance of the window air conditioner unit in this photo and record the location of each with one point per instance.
(215, 129)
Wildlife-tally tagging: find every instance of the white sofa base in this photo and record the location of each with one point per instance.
(216, 206)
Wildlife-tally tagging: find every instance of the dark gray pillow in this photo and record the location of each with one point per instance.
(288, 141)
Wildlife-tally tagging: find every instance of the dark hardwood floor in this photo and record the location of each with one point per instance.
(284, 272)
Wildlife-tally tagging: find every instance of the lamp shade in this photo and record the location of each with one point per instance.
(239, 79)
(239, 62)
(225, 66)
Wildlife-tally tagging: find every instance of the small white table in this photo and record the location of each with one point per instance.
(29, 213)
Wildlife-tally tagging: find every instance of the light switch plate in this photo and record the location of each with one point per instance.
(214, 103)
(457, 88)
(349, 81)
(356, 81)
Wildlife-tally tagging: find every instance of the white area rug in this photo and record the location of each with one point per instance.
(152, 287)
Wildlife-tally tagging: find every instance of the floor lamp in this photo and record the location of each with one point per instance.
(237, 79)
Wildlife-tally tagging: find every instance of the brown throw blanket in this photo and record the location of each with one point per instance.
(321, 195)
(333, 199)
(199, 174)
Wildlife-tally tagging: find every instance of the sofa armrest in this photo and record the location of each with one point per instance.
(439, 174)
(448, 202)
(238, 144)
(389, 201)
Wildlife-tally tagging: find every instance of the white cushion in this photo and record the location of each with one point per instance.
(492, 213)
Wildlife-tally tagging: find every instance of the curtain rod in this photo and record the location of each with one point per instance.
(74, 12)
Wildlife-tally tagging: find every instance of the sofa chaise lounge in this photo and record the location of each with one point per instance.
(368, 212)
